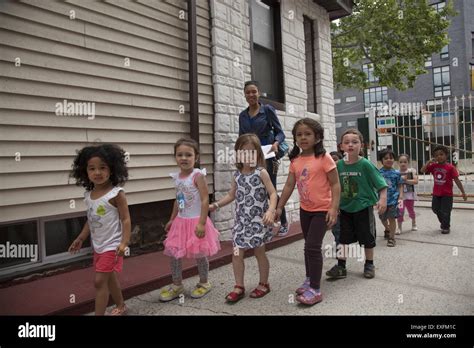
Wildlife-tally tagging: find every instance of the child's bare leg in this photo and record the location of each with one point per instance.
(239, 267)
(115, 291)
(101, 284)
(392, 225)
(369, 254)
(386, 225)
(263, 265)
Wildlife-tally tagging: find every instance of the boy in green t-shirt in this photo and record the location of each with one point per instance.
(362, 187)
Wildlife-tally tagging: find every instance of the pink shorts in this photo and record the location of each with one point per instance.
(108, 262)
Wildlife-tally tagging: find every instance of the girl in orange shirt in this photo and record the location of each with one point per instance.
(313, 170)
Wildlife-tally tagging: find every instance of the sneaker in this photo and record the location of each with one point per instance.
(201, 289)
(171, 292)
(337, 272)
(398, 231)
(369, 270)
(305, 286)
(283, 231)
(445, 231)
(414, 228)
(310, 297)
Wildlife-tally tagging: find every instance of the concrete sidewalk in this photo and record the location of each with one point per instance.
(427, 273)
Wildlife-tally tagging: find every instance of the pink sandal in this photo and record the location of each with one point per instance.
(119, 311)
(310, 297)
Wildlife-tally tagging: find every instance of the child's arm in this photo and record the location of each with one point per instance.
(400, 193)
(174, 213)
(413, 181)
(461, 188)
(285, 195)
(229, 197)
(124, 214)
(331, 216)
(382, 203)
(269, 216)
(76, 245)
(423, 169)
(204, 194)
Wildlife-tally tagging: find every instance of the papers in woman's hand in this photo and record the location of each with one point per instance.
(265, 149)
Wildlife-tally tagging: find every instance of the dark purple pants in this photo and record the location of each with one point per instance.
(314, 227)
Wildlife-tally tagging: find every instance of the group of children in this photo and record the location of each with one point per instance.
(334, 193)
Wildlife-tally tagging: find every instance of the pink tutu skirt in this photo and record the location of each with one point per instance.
(183, 242)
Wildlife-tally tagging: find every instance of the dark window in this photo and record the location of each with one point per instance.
(472, 77)
(375, 96)
(445, 52)
(267, 67)
(368, 69)
(17, 240)
(428, 62)
(472, 45)
(59, 234)
(441, 82)
(439, 6)
(310, 63)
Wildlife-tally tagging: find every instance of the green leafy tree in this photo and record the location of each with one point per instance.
(396, 36)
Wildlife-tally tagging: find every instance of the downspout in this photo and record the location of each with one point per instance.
(193, 73)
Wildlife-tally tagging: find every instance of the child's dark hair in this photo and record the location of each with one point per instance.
(385, 152)
(188, 142)
(336, 153)
(441, 148)
(111, 154)
(251, 83)
(404, 155)
(318, 132)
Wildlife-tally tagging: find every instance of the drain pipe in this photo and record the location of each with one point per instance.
(193, 73)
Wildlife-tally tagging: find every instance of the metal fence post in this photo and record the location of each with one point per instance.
(372, 137)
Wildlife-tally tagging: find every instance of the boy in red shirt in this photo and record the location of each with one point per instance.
(443, 173)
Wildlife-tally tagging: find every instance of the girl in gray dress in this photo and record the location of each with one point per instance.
(254, 216)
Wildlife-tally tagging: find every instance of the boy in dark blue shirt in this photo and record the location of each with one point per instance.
(394, 194)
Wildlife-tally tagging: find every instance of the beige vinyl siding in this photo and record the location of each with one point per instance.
(82, 60)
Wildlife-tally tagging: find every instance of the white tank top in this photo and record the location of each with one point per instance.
(104, 221)
(187, 194)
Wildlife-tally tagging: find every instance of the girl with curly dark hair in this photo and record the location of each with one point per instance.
(100, 169)
(313, 170)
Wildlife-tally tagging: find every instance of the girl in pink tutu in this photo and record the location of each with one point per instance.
(191, 233)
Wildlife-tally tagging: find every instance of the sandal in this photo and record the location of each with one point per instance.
(386, 234)
(233, 296)
(257, 293)
(391, 243)
(310, 297)
(119, 311)
(201, 289)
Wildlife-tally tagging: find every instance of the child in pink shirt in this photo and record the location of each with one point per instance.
(313, 170)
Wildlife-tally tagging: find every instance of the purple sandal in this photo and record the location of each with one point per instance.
(310, 297)
(305, 286)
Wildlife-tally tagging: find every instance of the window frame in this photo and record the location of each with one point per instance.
(275, 4)
(383, 91)
(41, 237)
(25, 265)
(368, 70)
(443, 85)
(64, 255)
(444, 55)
